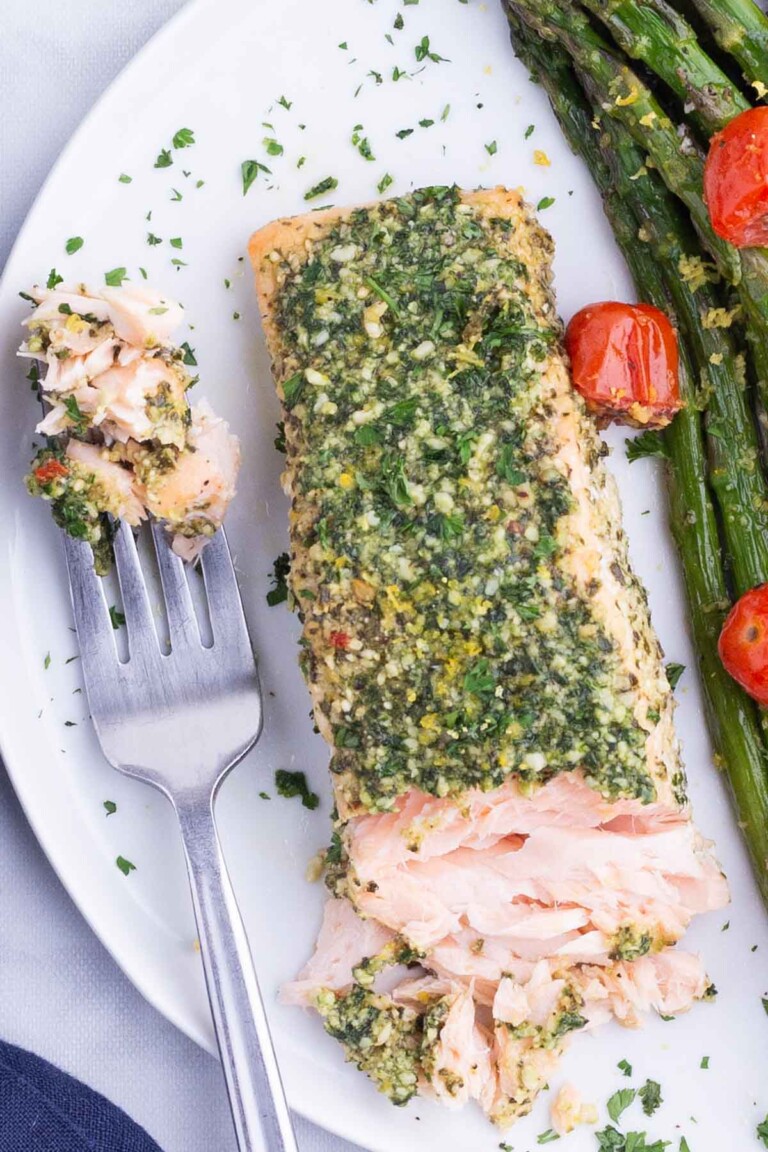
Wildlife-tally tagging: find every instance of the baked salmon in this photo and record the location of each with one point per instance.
(512, 837)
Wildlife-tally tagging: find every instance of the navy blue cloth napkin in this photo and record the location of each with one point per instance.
(44, 1110)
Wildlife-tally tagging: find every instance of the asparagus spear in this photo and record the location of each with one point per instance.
(731, 715)
(631, 101)
(741, 29)
(621, 92)
(659, 36)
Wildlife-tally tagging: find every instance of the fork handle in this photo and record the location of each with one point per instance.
(256, 1095)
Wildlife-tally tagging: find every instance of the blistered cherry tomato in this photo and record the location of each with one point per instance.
(736, 180)
(624, 362)
(743, 644)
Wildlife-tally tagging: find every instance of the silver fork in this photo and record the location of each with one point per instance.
(181, 721)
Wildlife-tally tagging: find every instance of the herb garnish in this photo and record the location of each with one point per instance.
(674, 672)
(124, 178)
(547, 1137)
(74, 244)
(290, 784)
(320, 189)
(273, 147)
(285, 103)
(545, 202)
(362, 143)
(492, 148)
(249, 170)
(176, 242)
(125, 866)
(110, 807)
(153, 240)
(164, 159)
(650, 1094)
(54, 279)
(762, 1131)
(184, 138)
(116, 616)
(76, 415)
(385, 182)
(625, 1067)
(646, 444)
(422, 51)
(619, 1102)
(704, 1062)
(279, 577)
(115, 277)
(189, 354)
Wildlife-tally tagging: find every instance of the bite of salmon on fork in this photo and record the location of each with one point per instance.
(512, 823)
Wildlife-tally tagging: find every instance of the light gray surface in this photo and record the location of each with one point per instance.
(62, 995)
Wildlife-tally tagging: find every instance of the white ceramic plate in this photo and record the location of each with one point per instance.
(220, 68)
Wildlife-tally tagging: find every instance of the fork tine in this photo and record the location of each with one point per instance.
(225, 607)
(182, 622)
(142, 637)
(95, 633)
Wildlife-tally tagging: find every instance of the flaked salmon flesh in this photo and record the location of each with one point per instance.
(478, 919)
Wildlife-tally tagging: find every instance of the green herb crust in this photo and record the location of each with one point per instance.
(447, 642)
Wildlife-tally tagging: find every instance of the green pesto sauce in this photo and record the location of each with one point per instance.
(429, 515)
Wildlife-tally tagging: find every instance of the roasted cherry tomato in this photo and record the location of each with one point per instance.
(624, 361)
(736, 180)
(743, 644)
(51, 470)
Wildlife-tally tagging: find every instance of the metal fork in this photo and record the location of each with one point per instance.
(181, 721)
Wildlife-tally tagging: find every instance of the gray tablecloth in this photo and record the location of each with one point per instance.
(61, 994)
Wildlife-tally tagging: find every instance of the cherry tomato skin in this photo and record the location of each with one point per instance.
(50, 470)
(743, 644)
(736, 180)
(625, 363)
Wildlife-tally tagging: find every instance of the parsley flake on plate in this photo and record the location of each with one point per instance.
(114, 278)
(650, 1094)
(164, 159)
(646, 444)
(285, 103)
(249, 170)
(110, 807)
(290, 784)
(674, 672)
(124, 178)
(492, 148)
(545, 202)
(125, 866)
(619, 1102)
(320, 189)
(279, 577)
(385, 183)
(54, 279)
(74, 244)
(423, 51)
(625, 1067)
(116, 616)
(184, 138)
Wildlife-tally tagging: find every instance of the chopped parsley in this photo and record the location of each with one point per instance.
(176, 195)
(646, 444)
(610, 1140)
(423, 51)
(124, 178)
(74, 244)
(116, 617)
(110, 807)
(79, 419)
(401, 135)
(273, 147)
(650, 1095)
(53, 279)
(385, 182)
(279, 577)
(547, 1137)
(153, 240)
(47, 661)
(327, 185)
(184, 138)
(115, 277)
(625, 1067)
(529, 131)
(399, 23)
(445, 113)
(545, 202)
(426, 123)
(704, 1062)
(674, 672)
(249, 170)
(189, 354)
(125, 866)
(290, 784)
(164, 159)
(492, 148)
(285, 103)
(619, 1102)
(176, 242)
(762, 1131)
(362, 143)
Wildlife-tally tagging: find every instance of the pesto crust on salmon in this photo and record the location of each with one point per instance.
(512, 817)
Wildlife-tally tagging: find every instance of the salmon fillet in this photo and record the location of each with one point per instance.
(512, 823)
